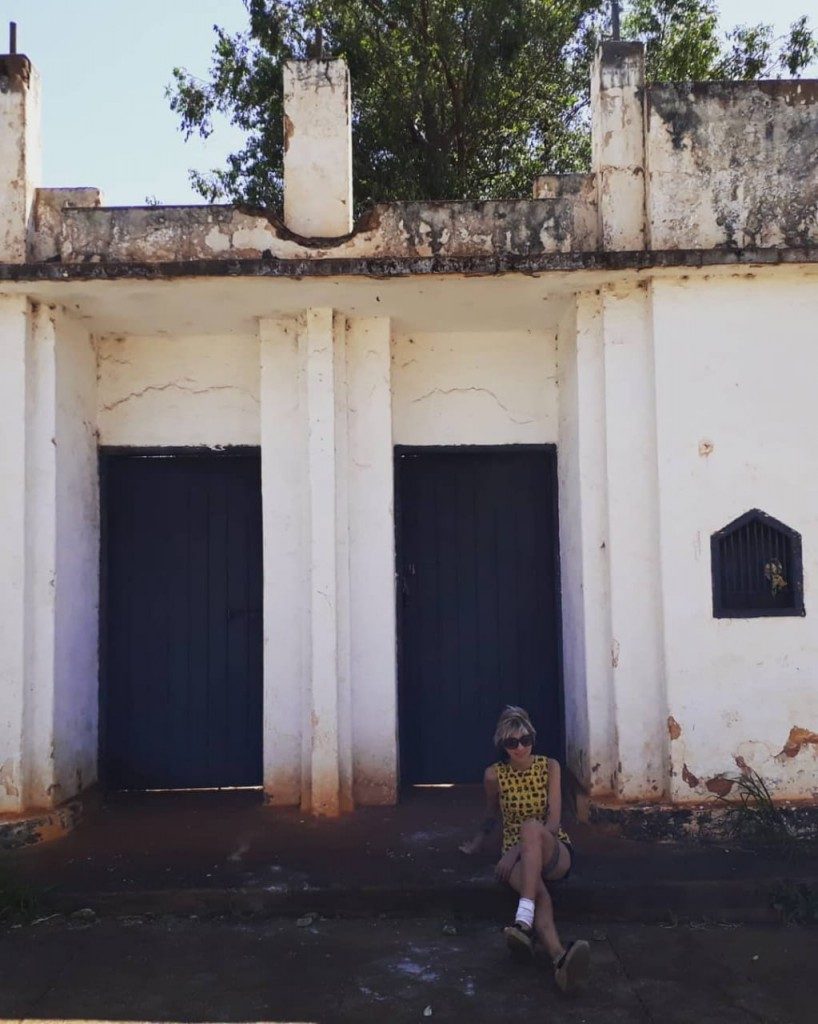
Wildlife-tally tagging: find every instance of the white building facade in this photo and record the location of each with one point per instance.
(612, 373)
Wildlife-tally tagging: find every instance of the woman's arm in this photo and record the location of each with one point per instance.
(552, 821)
(492, 791)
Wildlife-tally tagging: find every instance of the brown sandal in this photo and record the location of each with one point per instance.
(572, 967)
(520, 941)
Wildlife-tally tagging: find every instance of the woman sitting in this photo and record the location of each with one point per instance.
(525, 789)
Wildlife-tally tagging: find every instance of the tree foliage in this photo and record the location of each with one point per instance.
(452, 99)
(684, 43)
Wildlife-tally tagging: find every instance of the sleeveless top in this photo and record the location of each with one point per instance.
(523, 795)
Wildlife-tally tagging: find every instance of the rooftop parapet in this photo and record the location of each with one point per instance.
(691, 166)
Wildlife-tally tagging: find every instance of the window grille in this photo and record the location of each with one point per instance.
(756, 564)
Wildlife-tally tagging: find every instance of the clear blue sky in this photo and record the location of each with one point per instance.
(105, 65)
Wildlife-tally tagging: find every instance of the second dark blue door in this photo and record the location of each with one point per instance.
(181, 673)
(478, 607)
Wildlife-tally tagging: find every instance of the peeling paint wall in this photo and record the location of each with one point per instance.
(182, 390)
(618, 144)
(475, 388)
(735, 370)
(45, 229)
(403, 230)
(20, 153)
(684, 166)
(317, 147)
(732, 164)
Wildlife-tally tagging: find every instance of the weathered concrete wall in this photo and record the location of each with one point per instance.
(736, 365)
(317, 148)
(686, 166)
(188, 390)
(732, 164)
(401, 230)
(20, 153)
(474, 388)
(46, 225)
(618, 144)
(579, 204)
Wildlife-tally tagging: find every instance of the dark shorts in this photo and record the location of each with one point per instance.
(549, 867)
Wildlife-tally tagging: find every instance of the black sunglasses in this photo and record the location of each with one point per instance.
(512, 742)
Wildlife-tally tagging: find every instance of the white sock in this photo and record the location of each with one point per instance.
(525, 912)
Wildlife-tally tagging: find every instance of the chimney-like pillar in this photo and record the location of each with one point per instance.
(317, 148)
(20, 153)
(618, 144)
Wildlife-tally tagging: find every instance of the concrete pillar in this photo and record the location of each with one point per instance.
(618, 144)
(372, 627)
(637, 651)
(49, 567)
(330, 701)
(584, 547)
(20, 153)
(323, 796)
(75, 704)
(40, 559)
(14, 328)
(284, 512)
(341, 371)
(317, 148)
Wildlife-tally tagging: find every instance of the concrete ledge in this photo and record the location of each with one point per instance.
(737, 901)
(384, 268)
(40, 826)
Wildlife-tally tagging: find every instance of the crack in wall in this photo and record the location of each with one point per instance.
(484, 391)
(178, 386)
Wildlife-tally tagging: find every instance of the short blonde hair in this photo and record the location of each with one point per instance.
(512, 720)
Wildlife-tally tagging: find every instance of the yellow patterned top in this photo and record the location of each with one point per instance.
(523, 795)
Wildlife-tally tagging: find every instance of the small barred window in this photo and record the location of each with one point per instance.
(756, 563)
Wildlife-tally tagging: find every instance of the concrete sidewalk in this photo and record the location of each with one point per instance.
(409, 970)
(214, 853)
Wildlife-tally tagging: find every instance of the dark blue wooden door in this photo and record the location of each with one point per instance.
(181, 672)
(478, 604)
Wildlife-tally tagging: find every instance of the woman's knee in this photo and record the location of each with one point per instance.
(531, 832)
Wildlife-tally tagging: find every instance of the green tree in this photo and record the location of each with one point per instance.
(452, 99)
(684, 43)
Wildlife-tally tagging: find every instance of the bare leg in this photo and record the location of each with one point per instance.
(537, 847)
(544, 926)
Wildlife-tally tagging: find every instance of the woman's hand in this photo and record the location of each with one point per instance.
(471, 846)
(505, 865)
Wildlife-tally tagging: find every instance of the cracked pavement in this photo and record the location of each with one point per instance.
(396, 970)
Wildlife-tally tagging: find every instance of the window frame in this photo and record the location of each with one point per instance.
(796, 573)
